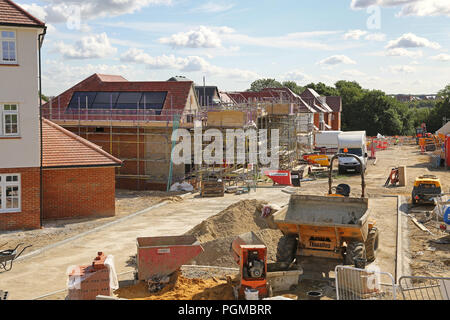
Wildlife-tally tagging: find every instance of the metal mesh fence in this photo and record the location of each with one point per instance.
(360, 284)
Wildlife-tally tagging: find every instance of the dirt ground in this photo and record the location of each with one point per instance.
(427, 257)
(127, 202)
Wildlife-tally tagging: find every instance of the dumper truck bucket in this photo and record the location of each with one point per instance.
(161, 256)
(324, 211)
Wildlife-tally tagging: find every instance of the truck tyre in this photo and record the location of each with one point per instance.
(355, 250)
(287, 247)
(372, 244)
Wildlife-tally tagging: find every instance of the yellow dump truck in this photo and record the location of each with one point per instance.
(334, 226)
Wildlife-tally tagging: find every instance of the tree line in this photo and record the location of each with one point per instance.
(373, 110)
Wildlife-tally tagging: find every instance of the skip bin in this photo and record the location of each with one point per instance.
(161, 256)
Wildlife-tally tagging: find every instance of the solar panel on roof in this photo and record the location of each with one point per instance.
(82, 100)
(118, 100)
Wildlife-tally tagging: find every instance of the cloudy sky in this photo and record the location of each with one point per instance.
(399, 46)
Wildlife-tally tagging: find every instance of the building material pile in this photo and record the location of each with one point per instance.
(181, 288)
(218, 232)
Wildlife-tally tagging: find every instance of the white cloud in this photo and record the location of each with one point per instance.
(213, 7)
(401, 69)
(290, 40)
(295, 75)
(376, 37)
(36, 10)
(202, 37)
(60, 11)
(58, 76)
(441, 57)
(89, 47)
(336, 59)
(354, 34)
(426, 8)
(188, 64)
(410, 40)
(353, 73)
(402, 52)
(408, 7)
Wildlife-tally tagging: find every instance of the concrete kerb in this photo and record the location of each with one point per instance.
(400, 268)
(106, 225)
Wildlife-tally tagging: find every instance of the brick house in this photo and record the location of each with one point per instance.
(324, 114)
(131, 120)
(78, 176)
(21, 36)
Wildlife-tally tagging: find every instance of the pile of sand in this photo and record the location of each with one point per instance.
(218, 232)
(181, 288)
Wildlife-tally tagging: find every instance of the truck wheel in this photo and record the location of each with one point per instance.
(355, 250)
(372, 244)
(287, 247)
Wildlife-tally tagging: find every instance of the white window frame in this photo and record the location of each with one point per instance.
(2, 61)
(3, 185)
(3, 114)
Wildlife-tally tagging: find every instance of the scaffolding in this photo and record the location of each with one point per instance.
(141, 137)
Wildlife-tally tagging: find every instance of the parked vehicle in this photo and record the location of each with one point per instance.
(426, 188)
(354, 143)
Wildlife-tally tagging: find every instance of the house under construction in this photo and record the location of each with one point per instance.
(134, 122)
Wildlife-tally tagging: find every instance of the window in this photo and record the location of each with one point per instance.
(9, 121)
(8, 47)
(10, 193)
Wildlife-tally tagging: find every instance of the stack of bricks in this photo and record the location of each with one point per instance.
(91, 281)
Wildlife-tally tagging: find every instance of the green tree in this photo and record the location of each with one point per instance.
(45, 98)
(322, 89)
(293, 86)
(260, 84)
(444, 93)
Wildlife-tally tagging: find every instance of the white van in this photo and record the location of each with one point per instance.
(354, 142)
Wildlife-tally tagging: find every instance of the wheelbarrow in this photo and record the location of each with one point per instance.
(7, 257)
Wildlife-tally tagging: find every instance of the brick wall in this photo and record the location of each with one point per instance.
(29, 217)
(79, 193)
(336, 123)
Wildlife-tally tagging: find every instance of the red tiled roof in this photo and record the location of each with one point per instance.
(177, 91)
(335, 103)
(13, 14)
(62, 148)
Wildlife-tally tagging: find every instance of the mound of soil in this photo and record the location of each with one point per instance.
(218, 232)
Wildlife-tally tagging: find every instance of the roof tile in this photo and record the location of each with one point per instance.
(13, 14)
(62, 148)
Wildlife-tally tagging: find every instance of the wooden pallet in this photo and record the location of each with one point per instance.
(213, 189)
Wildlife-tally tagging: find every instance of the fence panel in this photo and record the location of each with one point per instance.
(424, 288)
(360, 284)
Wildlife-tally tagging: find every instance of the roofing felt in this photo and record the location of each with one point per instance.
(14, 15)
(62, 148)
